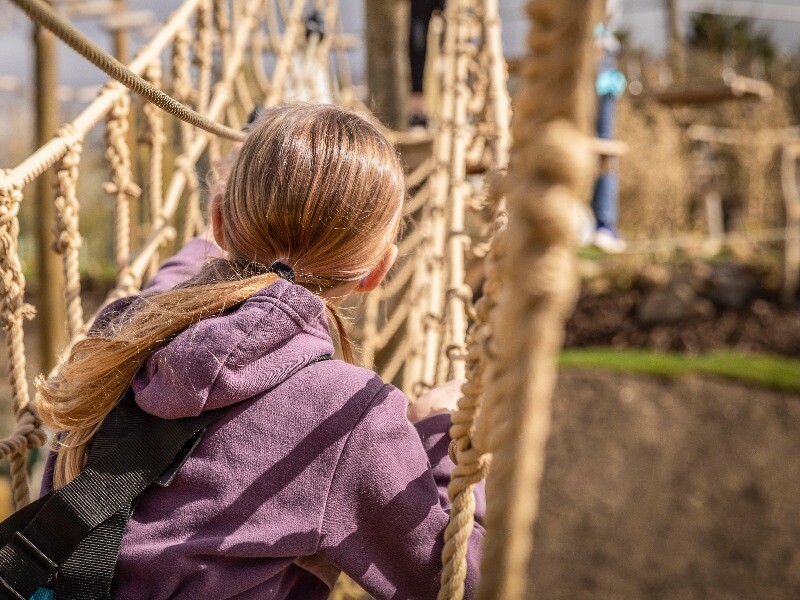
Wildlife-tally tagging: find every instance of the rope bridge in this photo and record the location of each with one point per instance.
(226, 56)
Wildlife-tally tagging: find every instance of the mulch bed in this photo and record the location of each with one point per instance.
(610, 319)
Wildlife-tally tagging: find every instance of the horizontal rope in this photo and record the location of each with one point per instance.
(44, 16)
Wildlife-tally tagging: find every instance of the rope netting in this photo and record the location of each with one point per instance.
(219, 92)
(421, 328)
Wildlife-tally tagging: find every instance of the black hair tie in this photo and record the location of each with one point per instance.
(282, 270)
(253, 268)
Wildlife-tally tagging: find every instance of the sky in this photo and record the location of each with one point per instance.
(643, 18)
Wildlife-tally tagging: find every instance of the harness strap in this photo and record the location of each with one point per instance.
(106, 485)
(89, 573)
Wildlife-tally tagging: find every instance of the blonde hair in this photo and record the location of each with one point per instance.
(316, 187)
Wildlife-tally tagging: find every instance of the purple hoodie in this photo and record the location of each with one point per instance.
(315, 470)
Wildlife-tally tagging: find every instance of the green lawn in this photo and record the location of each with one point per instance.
(768, 371)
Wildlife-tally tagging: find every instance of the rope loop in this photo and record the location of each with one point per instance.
(10, 196)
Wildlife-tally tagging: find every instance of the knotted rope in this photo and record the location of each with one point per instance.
(68, 238)
(13, 312)
(550, 163)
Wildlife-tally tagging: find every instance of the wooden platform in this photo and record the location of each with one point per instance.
(414, 146)
(736, 88)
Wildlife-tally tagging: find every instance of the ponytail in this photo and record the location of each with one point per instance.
(99, 368)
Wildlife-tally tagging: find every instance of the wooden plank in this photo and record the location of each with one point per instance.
(88, 10)
(737, 88)
(133, 19)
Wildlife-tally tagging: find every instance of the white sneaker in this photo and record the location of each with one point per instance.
(608, 242)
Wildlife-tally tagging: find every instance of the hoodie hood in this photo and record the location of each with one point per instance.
(235, 356)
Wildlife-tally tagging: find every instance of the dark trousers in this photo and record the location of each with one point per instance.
(604, 199)
(421, 12)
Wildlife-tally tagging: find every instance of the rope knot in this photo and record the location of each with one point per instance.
(23, 312)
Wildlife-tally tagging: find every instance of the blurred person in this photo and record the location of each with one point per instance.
(609, 85)
(421, 13)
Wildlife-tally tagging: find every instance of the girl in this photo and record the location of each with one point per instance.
(316, 469)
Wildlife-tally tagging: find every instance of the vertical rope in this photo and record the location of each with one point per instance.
(121, 186)
(286, 47)
(470, 423)
(68, 239)
(435, 210)
(257, 54)
(156, 138)
(412, 370)
(347, 96)
(14, 311)
(498, 99)
(459, 296)
(203, 55)
(223, 26)
(181, 68)
(182, 86)
(549, 166)
(472, 457)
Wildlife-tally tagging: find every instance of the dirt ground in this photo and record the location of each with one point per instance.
(669, 490)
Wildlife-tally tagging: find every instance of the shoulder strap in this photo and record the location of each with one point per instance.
(107, 484)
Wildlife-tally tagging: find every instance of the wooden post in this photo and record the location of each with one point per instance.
(121, 36)
(50, 279)
(387, 59)
(676, 53)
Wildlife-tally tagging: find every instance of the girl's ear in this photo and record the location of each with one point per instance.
(373, 279)
(215, 209)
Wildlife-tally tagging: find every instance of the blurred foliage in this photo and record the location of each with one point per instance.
(722, 33)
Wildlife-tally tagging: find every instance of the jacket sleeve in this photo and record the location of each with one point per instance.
(184, 265)
(386, 511)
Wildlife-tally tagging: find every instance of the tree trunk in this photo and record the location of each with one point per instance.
(387, 59)
(676, 53)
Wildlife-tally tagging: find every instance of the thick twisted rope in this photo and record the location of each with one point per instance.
(156, 138)
(182, 83)
(45, 17)
(549, 167)
(13, 312)
(203, 55)
(122, 186)
(472, 457)
(68, 238)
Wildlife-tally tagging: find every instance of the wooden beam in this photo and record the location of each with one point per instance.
(126, 20)
(737, 88)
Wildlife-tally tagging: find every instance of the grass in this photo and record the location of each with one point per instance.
(762, 370)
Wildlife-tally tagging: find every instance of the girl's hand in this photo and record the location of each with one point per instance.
(440, 400)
